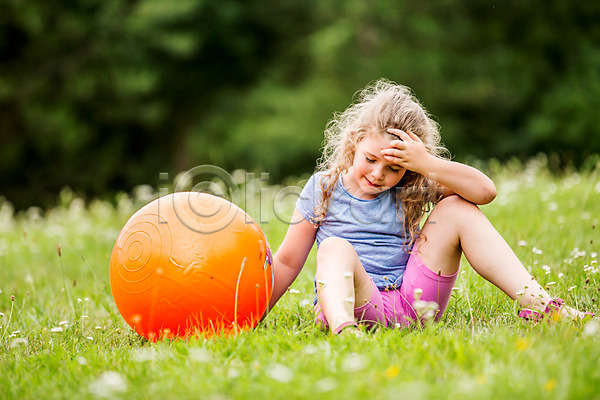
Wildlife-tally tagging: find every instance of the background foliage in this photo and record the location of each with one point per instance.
(101, 95)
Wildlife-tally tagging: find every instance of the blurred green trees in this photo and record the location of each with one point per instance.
(100, 95)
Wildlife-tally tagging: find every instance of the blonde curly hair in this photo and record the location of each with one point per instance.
(379, 106)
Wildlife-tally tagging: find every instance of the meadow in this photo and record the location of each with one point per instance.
(61, 336)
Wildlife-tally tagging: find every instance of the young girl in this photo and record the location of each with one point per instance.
(380, 172)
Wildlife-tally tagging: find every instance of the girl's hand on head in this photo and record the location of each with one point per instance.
(409, 152)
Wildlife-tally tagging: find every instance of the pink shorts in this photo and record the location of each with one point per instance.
(395, 308)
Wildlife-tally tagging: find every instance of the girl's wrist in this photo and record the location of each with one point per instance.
(428, 166)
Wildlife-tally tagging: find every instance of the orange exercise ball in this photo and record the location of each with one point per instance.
(191, 264)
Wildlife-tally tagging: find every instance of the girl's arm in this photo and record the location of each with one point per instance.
(456, 178)
(291, 255)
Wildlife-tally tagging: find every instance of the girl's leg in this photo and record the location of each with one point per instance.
(342, 282)
(456, 225)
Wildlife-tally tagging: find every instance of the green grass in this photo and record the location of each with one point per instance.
(479, 350)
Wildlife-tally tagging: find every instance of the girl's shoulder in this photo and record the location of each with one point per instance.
(319, 185)
(321, 179)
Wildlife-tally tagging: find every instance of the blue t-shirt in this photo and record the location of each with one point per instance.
(373, 227)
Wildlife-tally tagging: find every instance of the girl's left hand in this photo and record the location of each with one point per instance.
(409, 152)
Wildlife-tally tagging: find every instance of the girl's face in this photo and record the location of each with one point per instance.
(370, 173)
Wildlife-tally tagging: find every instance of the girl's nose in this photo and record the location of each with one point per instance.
(377, 173)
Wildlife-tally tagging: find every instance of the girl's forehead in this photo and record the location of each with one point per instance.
(377, 141)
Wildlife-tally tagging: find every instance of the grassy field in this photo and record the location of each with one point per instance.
(62, 337)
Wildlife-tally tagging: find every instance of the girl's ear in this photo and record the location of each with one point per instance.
(353, 144)
(357, 137)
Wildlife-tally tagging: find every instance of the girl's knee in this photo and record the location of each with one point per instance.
(455, 205)
(334, 247)
(451, 212)
(333, 244)
(455, 200)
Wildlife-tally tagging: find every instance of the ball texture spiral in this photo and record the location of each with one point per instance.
(191, 264)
